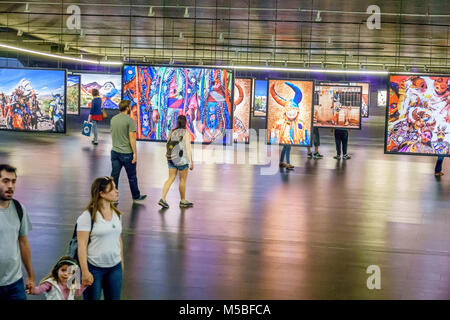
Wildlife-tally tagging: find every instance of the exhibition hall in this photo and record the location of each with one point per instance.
(224, 150)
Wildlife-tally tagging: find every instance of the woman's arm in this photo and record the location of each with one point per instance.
(86, 276)
(121, 253)
(187, 138)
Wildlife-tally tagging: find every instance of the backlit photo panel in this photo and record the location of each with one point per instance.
(108, 85)
(73, 94)
(365, 97)
(33, 100)
(418, 115)
(159, 94)
(260, 104)
(337, 106)
(289, 112)
(243, 91)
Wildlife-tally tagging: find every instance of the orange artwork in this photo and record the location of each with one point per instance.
(289, 114)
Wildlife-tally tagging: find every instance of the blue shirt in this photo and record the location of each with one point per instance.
(96, 107)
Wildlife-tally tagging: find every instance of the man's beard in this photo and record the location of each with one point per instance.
(4, 197)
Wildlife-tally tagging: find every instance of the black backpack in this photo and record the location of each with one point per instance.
(173, 151)
(19, 209)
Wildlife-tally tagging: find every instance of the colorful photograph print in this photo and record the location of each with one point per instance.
(337, 106)
(108, 85)
(32, 100)
(365, 97)
(73, 94)
(159, 94)
(289, 112)
(243, 90)
(418, 115)
(260, 104)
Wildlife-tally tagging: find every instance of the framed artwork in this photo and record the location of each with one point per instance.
(73, 94)
(108, 85)
(337, 106)
(382, 98)
(260, 104)
(33, 100)
(290, 112)
(158, 94)
(418, 115)
(243, 98)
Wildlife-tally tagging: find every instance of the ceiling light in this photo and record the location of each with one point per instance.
(19, 33)
(318, 18)
(186, 13)
(150, 12)
(59, 57)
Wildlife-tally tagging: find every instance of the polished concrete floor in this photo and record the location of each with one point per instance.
(306, 234)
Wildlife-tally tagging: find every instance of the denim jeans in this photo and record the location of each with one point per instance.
(108, 279)
(286, 152)
(13, 291)
(438, 167)
(120, 160)
(341, 138)
(95, 130)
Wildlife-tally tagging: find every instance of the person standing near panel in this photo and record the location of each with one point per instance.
(96, 113)
(316, 141)
(14, 246)
(341, 139)
(438, 168)
(123, 153)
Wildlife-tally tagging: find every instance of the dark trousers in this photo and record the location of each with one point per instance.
(341, 138)
(286, 152)
(108, 279)
(13, 291)
(119, 160)
(438, 167)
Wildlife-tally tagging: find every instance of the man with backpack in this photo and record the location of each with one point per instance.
(123, 153)
(14, 246)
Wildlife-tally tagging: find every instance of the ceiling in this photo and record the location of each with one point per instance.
(413, 33)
